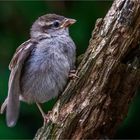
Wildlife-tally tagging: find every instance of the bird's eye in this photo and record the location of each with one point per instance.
(56, 24)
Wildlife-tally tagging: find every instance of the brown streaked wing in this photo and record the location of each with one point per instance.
(17, 54)
(16, 65)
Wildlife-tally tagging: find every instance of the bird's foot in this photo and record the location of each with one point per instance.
(72, 74)
(47, 117)
(44, 115)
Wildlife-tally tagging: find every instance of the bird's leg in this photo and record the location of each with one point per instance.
(45, 116)
(40, 109)
(72, 74)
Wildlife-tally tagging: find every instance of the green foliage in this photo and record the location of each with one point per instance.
(16, 19)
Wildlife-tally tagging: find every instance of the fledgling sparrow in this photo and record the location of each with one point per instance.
(40, 66)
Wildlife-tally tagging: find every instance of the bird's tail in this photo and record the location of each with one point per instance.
(12, 111)
(13, 102)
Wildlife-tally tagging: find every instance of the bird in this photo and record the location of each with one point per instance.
(41, 66)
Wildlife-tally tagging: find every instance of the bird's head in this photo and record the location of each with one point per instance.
(52, 25)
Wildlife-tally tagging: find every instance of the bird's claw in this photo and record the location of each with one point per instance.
(72, 74)
(47, 117)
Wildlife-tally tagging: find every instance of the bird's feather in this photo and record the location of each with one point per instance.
(16, 64)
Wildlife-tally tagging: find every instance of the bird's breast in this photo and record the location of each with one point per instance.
(45, 73)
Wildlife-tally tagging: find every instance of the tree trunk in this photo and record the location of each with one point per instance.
(93, 105)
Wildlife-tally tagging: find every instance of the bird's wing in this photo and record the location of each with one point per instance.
(23, 48)
(16, 65)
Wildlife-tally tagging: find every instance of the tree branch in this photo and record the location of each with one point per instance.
(93, 105)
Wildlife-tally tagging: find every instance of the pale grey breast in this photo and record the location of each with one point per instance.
(46, 71)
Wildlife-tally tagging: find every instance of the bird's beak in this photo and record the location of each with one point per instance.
(68, 22)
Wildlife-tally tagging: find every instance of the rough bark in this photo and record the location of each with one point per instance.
(93, 105)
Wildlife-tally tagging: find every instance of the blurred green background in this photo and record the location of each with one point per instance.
(16, 19)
